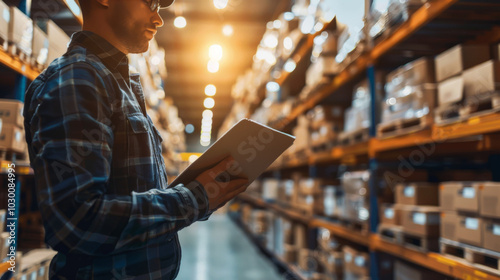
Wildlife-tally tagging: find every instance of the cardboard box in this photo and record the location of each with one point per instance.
(496, 52)
(489, 199)
(449, 225)
(300, 236)
(451, 91)
(11, 112)
(470, 230)
(270, 189)
(331, 200)
(3, 214)
(12, 137)
(421, 220)
(307, 260)
(356, 208)
(310, 186)
(390, 214)
(459, 58)
(40, 46)
(417, 194)
(483, 78)
(58, 41)
(20, 31)
(491, 234)
(4, 20)
(420, 71)
(290, 253)
(327, 113)
(356, 182)
(332, 262)
(460, 196)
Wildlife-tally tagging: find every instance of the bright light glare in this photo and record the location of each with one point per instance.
(206, 122)
(270, 41)
(227, 30)
(288, 43)
(192, 158)
(206, 128)
(290, 66)
(213, 66)
(220, 4)
(74, 7)
(288, 16)
(207, 114)
(209, 103)
(215, 52)
(180, 22)
(272, 86)
(277, 24)
(210, 90)
(205, 144)
(155, 60)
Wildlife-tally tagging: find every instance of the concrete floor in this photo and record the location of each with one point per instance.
(218, 250)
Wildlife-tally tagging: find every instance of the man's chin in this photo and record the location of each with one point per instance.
(140, 49)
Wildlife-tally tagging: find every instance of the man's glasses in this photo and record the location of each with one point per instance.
(154, 5)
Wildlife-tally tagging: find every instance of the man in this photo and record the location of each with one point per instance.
(100, 177)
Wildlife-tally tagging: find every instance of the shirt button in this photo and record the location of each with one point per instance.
(170, 239)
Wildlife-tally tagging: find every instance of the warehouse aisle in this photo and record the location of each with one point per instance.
(217, 249)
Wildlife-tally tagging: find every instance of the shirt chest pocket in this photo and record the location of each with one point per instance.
(140, 148)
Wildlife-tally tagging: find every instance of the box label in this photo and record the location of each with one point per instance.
(41, 272)
(409, 191)
(419, 218)
(33, 275)
(469, 192)
(359, 261)
(6, 15)
(496, 229)
(471, 223)
(389, 213)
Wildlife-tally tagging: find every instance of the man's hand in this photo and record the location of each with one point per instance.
(223, 182)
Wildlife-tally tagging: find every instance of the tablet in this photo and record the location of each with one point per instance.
(254, 147)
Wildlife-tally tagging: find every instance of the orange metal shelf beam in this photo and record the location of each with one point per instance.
(78, 17)
(17, 65)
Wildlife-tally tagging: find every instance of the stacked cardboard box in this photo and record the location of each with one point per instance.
(20, 34)
(355, 189)
(405, 271)
(326, 122)
(356, 263)
(40, 47)
(471, 213)
(450, 67)
(58, 41)
(4, 24)
(330, 255)
(410, 99)
(35, 265)
(12, 132)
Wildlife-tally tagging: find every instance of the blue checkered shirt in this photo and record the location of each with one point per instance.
(100, 176)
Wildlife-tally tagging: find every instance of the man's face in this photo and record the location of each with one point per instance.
(134, 23)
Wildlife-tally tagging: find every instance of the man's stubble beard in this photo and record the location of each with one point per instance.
(131, 36)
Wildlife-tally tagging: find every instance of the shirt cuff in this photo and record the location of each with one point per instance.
(199, 193)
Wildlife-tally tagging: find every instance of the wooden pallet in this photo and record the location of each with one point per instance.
(444, 115)
(420, 243)
(17, 52)
(324, 146)
(480, 104)
(480, 258)
(356, 226)
(354, 137)
(391, 233)
(4, 44)
(403, 126)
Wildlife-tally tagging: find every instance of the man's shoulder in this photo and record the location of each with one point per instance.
(74, 62)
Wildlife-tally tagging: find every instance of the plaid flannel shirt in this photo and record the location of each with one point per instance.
(100, 176)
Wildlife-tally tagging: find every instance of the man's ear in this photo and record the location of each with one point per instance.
(104, 3)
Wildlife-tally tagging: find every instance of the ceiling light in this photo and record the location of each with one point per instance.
(213, 66)
(207, 114)
(307, 25)
(209, 103)
(277, 24)
(192, 158)
(270, 41)
(180, 22)
(288, 16)
(189, 128)
(215, 52)
(227, 30)
(206, 121)
(206, 128)
(288, 43)
(272, 86)
(220, 4)
(205, 144)
(210, 90)
(290, 66)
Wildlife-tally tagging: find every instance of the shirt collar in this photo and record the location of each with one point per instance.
(110, 56)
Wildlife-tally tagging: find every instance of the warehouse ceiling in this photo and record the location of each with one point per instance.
(187, 53)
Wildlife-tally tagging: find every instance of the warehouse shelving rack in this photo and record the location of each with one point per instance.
(477, 134)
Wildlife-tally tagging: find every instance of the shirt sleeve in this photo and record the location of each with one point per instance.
(71, 151)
